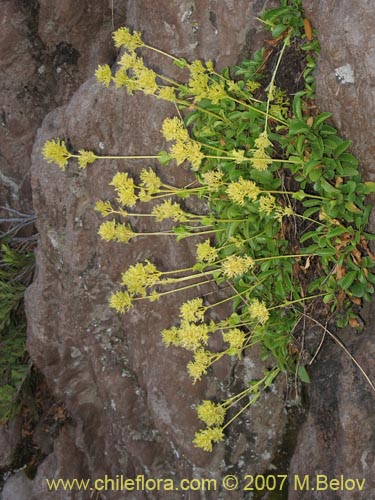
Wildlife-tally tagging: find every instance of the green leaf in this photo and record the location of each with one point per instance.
(347, 280)
(303, 375)
(342, 147)
(369, 187)
(320, 119)
(164, 157)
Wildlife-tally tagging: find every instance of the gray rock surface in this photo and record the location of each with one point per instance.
(47, 49)
(130, 398)
(17, 486)
(338, 437)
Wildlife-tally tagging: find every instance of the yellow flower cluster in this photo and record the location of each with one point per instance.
(169, 210)
(187, 151)
(174, 130)
(258, 311)
(267, 204)
(104, 208)
(124, 187)
(238, 155)
(210, 413)
(236, 265)
(104, 74)
(150, 181)
(284, 211)
(166, 93)
(114, 231)
(131, 41)
(121, 301)
(252, 86)
(235, 338)
(55, 151)
(206, 252)
(213, 179)
(261, 159)
(188, 335)
(86, 157)
(140, 277)
(205, 438)
(239, 190)
(201, 86)
(184, 147)
(200, 364)
(192, 310)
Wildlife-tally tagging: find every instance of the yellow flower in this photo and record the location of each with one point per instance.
(86, 157)
(55, 151)
(170, 336)
(213, 179)
(258, 311)
(121, 301)
(215, 92)
(167, 93)
(121, 79)
(193, 336)
(104, 75)
(111, 231)
(122, 36)
(154, 296)
(124, 187)
(130, 61)
(238, 155)
(283, 211)
(206, 253)
(262, 142)
(107, 230)
(260, 159)
(192, 310)
(104, 207)
(235, 338)
(174, 130)
(203, 439)
(150, 181)
(194, 154)
(198, 83)
(144, 195)
(267, 204)
(198, 367)
(169, 210)
(146, 80)
(237, 191)
(210, 413)
(124, 233)
(178, 152)
(139, 277)
(235, 265)
(252, 86)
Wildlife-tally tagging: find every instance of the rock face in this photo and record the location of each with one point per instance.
(338, 437)
(130, 398)
(54, 48)
(131, 402)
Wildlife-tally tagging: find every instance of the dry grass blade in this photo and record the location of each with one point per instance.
(338, 341)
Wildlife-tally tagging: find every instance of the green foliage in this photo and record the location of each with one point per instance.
(14, 364)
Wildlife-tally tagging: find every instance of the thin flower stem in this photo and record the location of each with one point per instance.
(176, 290)
(204, 110)
(253, 108)
(272, 82)
(290, 302)
(161, 52)
(247, 159)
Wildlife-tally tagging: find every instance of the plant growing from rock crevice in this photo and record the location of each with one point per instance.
(286, 202)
